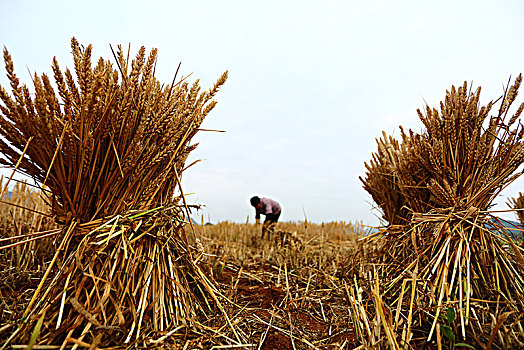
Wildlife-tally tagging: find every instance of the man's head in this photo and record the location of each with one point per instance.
(255, 201)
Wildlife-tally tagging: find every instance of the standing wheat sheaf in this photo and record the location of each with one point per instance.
(443, 252)
(111, 146)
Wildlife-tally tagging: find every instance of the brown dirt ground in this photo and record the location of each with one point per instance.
(268, 299)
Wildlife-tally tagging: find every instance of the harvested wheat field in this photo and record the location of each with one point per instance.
(286, 293)
(100, 251)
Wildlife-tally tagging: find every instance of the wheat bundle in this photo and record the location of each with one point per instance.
(449, 253)
(111, 146)
(129, 277)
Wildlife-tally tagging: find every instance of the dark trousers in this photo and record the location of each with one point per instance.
(272, 217)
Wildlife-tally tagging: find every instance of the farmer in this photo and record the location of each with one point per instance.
(268, 207)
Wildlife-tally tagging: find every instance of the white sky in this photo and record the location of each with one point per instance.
(311, 83)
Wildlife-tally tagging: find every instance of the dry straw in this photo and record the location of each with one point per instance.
(24, 215)
(111, 145)
(448, 256)
(517, 204)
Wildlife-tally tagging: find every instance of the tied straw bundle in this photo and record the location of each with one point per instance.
(111, 147)
(443, 253)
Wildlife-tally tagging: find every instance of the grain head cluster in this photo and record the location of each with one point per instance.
(462, 160)
(517, 204)
(108, 141)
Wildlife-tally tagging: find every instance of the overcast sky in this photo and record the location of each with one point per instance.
(311, 83)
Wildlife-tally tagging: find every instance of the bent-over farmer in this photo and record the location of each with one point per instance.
(268, 207)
